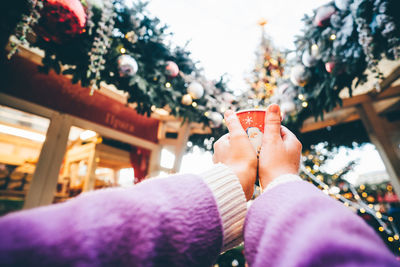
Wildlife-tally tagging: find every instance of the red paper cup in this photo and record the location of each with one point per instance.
(253, 121)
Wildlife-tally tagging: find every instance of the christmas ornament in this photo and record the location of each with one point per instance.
(61, 20)
(287, 107)
(329, 66)
(127, 66)
(300, 75)
(196, 90)
(342, 4)
(308, 60)
(228, 97)
(336, 21)
(215, 119)
(187, 100)
(172, 69)
(323, 15)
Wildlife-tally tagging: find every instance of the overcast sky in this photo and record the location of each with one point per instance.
(224, 34)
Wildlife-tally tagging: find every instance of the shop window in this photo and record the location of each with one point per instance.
(21, 139)
(93, 161)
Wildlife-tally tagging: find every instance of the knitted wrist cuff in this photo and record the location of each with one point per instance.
(231, 202)
(282, 180)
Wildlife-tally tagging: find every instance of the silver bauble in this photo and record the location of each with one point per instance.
(287, 107)
(342, 4)
(127, 66)
(300, 75)
(196, 90)
(215, 119)
(308, 60)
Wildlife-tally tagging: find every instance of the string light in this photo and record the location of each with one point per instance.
(332, 37)
(304, 104)
(390, 239)
(380, 229)
(206, 113)
(122, 50)
(396, 237)
(364, 194)
(390, 218)
(168, 85)
(378, 215)
(301, 96)
(362, 187)
(362, 210)
(194, 104)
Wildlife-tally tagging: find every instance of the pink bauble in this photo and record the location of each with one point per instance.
(329, 66)
(61, 20)
(323, 15)
(172, 69)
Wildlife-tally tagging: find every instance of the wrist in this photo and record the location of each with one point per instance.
(246, 172)
(267, 179)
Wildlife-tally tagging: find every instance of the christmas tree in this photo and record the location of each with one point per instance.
(265, 74)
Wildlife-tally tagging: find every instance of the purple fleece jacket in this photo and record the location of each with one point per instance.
(175, 222)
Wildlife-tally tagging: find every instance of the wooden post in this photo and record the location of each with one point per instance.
(154, 164)
(183, 137)
(379, 136)
(44, 181)
(88, 183)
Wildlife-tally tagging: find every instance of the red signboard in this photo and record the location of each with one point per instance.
(22, 79)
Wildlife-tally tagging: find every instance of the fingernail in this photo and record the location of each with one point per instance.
(273, 108)
(228, 113)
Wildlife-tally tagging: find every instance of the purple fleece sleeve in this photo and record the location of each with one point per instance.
(161, 222)
(295, 224)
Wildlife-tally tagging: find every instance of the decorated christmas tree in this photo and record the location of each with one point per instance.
(265, 74)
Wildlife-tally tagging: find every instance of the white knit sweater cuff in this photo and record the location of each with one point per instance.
(231, 202)
(286, 178)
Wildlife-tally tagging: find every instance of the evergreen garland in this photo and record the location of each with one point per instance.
(351, 40)
(113, 29)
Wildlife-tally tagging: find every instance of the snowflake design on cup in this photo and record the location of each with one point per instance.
(248, 120)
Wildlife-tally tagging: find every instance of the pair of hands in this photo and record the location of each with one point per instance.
(279, 155)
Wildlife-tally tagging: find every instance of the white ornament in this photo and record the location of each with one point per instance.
(300, 75)
(187, 100)
(196, 90)
(308, 60)
(342, 4)
(216, 119)
(127, 66)
(288, 107)
(228, 97)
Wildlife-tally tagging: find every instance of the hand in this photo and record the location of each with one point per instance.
(235, 151)
(280, 150)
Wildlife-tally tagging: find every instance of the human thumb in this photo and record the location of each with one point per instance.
(272, 123)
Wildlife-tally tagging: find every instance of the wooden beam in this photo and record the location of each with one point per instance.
(183, 137)
(346, 113)
(379, 136)
(392, 77)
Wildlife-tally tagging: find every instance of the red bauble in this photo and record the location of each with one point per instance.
(172, 69)
(323, 15)
(61, 20)
(329, 66)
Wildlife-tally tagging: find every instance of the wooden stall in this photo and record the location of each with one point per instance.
(122, 138)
